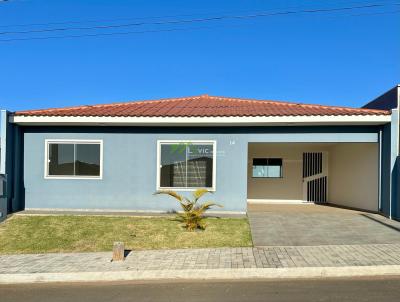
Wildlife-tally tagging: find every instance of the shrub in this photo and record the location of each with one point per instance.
(193, 211)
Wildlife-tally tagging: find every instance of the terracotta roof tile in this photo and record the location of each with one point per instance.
(202, 106)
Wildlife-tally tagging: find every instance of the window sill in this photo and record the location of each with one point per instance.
(74, 177)
(185, 189)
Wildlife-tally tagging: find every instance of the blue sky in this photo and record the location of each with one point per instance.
(341, 58)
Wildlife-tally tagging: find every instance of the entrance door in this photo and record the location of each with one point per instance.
(315, 177)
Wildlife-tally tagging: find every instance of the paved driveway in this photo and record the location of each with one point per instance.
(304, 225)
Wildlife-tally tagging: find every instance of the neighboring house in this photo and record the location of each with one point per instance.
(115, 156)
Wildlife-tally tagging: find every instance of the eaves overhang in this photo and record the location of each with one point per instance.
(201, 121)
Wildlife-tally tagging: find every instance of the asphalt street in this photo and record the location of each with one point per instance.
(371, 289)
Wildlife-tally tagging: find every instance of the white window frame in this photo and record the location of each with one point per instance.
(214, 172)
(71, 141)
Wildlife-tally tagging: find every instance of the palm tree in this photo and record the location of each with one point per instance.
(193, 212)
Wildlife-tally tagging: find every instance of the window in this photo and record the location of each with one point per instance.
(74, 159)
(186, 165)
(267, 167)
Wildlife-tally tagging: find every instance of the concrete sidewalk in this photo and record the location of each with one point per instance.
(260, 262)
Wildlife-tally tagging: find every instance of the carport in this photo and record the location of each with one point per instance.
(316, 193)
(311, 224)
(345, 174)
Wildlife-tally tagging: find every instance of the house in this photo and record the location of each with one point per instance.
(113, 157)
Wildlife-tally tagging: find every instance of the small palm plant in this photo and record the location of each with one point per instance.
(193, 212)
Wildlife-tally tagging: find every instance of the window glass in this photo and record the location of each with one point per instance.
(87, 161)
(274, 171)
(173, 165)
(258, 171)
(61, 159)
(267, 167)
(73, 159)
(186, 165)
(199, 166)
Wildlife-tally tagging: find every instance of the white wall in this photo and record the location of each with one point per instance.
(353, 175)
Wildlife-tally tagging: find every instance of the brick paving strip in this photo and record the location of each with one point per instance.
(283, 261)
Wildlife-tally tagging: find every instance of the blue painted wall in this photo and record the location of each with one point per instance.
(129, 171)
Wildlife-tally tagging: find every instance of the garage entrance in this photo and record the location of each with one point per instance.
(343, 174)
(312, 224)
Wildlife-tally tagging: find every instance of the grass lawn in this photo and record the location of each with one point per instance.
(44, 234)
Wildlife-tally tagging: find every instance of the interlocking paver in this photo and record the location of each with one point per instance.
(163, 260)
(314, 225)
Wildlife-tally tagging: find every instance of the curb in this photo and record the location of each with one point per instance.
(205, 274)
